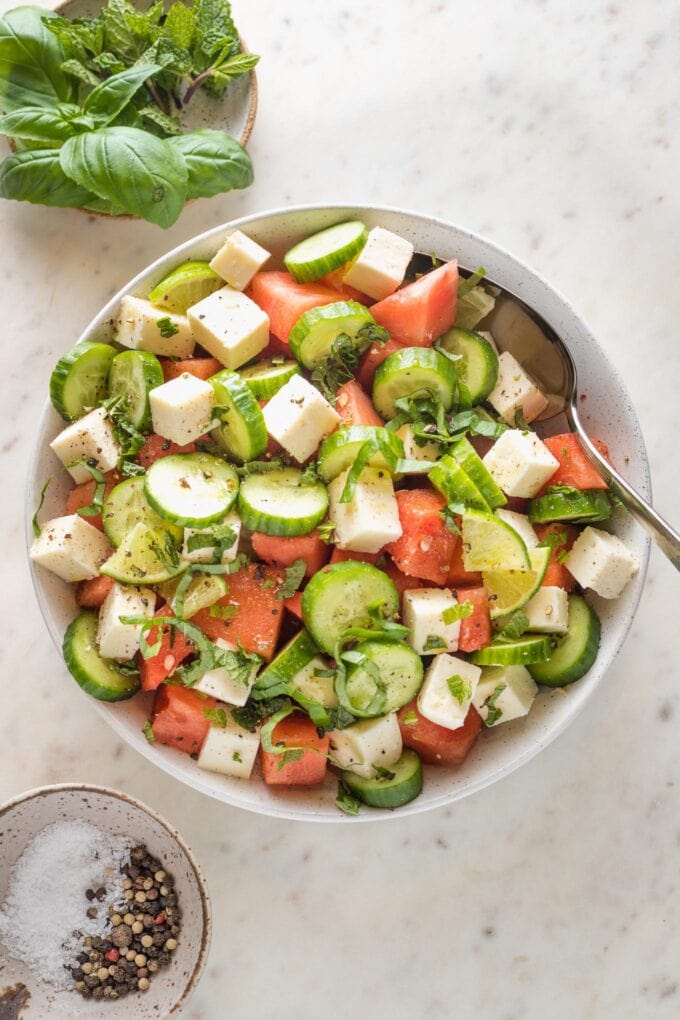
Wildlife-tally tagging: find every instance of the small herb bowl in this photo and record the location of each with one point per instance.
(22, 818)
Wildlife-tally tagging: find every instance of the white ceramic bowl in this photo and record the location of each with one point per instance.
(607, 412)
(24, 817)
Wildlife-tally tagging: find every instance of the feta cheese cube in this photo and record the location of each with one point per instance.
(220, 684)
(181, 409)
(364, 744)
(371, 519)
(548, 611)
(298, 417)
(422, 613)
(412, 451)
(230, 326)
(90, 438)
(380, 265)
(230, 750)
(504, 693)
(520, 463)
(601, 562)
(238, 260)
(522, 525)
(204, 553)
(515, 391)
(71, 548)
(447, 692)
(318, 688)
(118, 640)
(143, 327)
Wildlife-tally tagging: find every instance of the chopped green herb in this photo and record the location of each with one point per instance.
(432, 642)
(493, 714)
(147, 730)
(34, 519)
(325, 674)
(461, 611)
(291, 754)
(216, 716)
(553, 540)
(218, 612)
(460, 689)
(346, 800)
(343, 359)
(167, 327)
(514, 628)
(95, 507)
(383, 774)
(410, 719)
(259, 467)
(465, 286)
(326, 531)
(237, 757)
(294, 576)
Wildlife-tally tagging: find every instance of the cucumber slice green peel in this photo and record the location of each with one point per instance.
(132, 376)
(281, 502)
(97, 676)
(241, 431)
(265, 378)
(339, 451)
(316, 331)
(341, 601)
(478, 365)
(125, 506)
(191, 489)
(390, 788)
(80, 379)
(573, 653)
(564, 503)
(325, 251)
(414, 372)
(382, 675)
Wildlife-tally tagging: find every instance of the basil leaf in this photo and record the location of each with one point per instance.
(37, 124)
(30, 62)
(111, 96)
(215, 162)
(129, 168)
(76, 69)
(36, 176)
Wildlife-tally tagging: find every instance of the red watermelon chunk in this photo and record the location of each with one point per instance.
(426, 545)
(285, 301)
(421, 311)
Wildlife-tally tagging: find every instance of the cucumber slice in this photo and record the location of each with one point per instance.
(339, 450)
(455, 485)
(401, 677)
(584, 506)
(323, 252)
(338, 597)
(478, 367)
(191, 489)
(185, 286)
(474, 467)
(278, 503)
(314, 333)
(145, 556)
(295, 656)
(491, 544)
(242, 432)
(525, 650)
(265, 378)
(405, 786)
(575, 652)
(509, 590)
(413, 372)
(97, 676)
(203, 591)
(80, 379)
(132, 375)
(125, 506)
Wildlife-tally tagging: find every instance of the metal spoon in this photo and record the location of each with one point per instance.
(518, 328)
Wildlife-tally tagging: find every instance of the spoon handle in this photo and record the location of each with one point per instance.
(659, 530)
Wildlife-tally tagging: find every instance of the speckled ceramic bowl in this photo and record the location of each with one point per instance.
(24, 817)
(606, 410)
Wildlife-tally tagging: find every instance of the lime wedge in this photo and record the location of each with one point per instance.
(511, 589)
(205, 590)
(491, 544)
(185, 286)
(145, 556)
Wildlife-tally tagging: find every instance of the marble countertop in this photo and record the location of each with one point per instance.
(550, 126)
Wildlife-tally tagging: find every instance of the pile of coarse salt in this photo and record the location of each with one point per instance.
(44, 916)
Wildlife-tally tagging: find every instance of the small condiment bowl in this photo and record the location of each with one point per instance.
(22, 818)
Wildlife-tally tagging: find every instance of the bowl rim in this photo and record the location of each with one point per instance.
(475, 785)
(50, 789)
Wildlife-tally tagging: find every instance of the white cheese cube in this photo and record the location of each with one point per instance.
(602, 562)
(371, 519)
(230, 750)
(504, 693)
(447, 692)
(143, 327)
(318, 688)
(118, 640)
(220, 684)
(204, 553)
(90, 438)
(181, 409)
(230, 326)
(522, 525)
(520, 463)
(548, 611)
(381, 264)
(298, 417)
(71, 548)
(412, 451)
(422, 614)
(515, 391)
(371, 742)
(238, 260)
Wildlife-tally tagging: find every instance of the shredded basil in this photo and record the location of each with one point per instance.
(34, 519)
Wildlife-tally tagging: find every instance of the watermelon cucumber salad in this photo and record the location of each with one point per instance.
(311, 518)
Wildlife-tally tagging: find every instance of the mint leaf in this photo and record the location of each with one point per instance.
(294, 577)
(458, 612)
(460, 689)
(346, 800)
(147, 730)
(432, 642)
(493, 714)
(217, 716)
